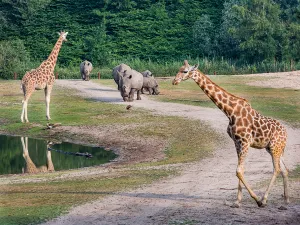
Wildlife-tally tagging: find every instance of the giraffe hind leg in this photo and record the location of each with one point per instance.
(284, 173)
(276, 165)
(24, 110)
(27, 91)
(48, 90)
(23, 105)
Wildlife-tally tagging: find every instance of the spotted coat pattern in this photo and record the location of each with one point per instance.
(41, 78)
(247, 128)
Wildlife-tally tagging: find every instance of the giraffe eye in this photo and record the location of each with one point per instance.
(185, 71)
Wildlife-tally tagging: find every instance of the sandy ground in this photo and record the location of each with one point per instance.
(204, 191)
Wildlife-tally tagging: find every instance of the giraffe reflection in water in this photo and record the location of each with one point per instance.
(30, 167)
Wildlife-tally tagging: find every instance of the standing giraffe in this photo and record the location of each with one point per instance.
(247, 128)
(41, 78)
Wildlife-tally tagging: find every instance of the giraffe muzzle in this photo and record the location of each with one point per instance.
(175, 82)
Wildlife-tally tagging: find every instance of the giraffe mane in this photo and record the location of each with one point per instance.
(222, 89)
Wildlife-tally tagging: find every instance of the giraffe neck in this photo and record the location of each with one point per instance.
(226, 102)
(54, 54)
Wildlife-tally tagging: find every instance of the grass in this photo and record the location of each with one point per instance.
(33, 202)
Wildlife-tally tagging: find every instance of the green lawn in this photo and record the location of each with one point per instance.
(33, 202)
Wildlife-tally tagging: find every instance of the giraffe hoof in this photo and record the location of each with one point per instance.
(261, 204)
(235, 205)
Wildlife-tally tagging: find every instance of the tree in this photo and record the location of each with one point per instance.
(96, 46)
(228, 44)
(13, 58)
(256, 29)
(203, 36)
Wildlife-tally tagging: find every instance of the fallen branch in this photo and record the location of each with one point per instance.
(86, 154)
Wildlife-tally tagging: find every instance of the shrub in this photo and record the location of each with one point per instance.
(13, 59)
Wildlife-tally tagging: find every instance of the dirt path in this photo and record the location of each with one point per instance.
(204, 190)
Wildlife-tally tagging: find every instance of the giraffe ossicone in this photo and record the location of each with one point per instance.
(41, 78)
(247, 128)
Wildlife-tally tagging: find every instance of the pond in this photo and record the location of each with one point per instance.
(26, 155)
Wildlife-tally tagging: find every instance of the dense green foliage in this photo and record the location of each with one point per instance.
(107, 32)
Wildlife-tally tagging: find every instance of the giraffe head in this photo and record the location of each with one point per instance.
(185, 72)
(63, 35)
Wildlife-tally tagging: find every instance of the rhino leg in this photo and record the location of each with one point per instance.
(138, 95)
(155, 91)
(131, 95)
(150, 91)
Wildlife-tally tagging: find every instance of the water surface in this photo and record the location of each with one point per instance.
(27, 155)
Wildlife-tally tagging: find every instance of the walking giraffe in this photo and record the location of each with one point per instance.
(247, 128)
(41, 78)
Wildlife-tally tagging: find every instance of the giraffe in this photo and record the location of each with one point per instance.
(247, 128)
(30, 166)
(41, 78)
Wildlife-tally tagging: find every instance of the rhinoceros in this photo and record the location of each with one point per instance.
(150, 84)
(129, 82)
(121, 69)
(85, 70)
(147, 73)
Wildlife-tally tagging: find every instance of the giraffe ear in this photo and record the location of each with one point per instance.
(195, 67)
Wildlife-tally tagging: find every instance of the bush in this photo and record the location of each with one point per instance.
(13, 59)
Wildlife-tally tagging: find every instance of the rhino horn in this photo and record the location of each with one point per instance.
(120, 74)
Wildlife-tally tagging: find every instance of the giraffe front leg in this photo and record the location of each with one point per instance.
(242, 150)
(237, 203)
